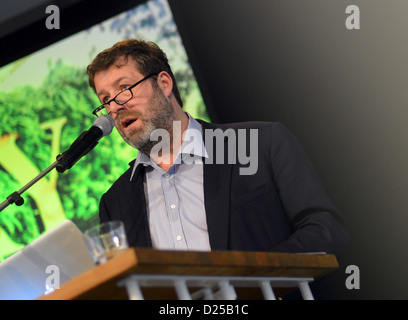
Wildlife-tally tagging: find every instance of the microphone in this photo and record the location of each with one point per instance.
(101, 127)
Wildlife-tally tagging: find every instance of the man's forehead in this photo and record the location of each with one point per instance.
(125, 60)
(128, 66)
(113, 75)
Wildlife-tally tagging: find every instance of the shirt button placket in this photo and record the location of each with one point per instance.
(172, 203)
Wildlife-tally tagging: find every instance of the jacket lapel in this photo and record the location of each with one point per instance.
(217, 180)
(139, 210)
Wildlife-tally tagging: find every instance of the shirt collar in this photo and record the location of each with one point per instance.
(193, 144)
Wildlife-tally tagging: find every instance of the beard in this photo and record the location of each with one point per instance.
(159, 115)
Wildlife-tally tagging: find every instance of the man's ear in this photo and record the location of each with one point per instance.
(165, 83)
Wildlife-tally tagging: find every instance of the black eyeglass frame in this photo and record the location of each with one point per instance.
(102, 106)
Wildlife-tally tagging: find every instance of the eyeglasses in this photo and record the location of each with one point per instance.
(121, 98)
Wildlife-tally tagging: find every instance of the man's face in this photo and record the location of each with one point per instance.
(146, 111)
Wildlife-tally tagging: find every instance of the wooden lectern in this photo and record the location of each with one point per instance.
(154, 274)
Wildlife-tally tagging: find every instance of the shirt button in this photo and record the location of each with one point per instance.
(173, 206)
(167, 176)
(179, 238)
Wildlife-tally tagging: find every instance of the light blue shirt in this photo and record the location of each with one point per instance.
(175, 199)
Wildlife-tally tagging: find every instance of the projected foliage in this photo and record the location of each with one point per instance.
(36, 125)
(40, 121)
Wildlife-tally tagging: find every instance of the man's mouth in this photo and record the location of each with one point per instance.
(127, 122)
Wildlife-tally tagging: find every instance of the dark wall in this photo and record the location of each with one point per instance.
(342, 92)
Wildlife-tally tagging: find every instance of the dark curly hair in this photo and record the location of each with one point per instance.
(148, 56)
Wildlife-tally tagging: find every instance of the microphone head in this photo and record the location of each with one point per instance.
(106, 123)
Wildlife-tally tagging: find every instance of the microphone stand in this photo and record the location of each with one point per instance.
(102, 126)
(16, 198)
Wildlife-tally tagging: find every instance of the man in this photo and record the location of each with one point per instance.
(276, 204)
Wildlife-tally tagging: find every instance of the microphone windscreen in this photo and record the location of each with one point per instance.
(106, 123)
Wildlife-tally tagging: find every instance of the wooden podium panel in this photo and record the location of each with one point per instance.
(101, 282)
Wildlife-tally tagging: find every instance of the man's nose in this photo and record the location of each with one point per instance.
(116, 108)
